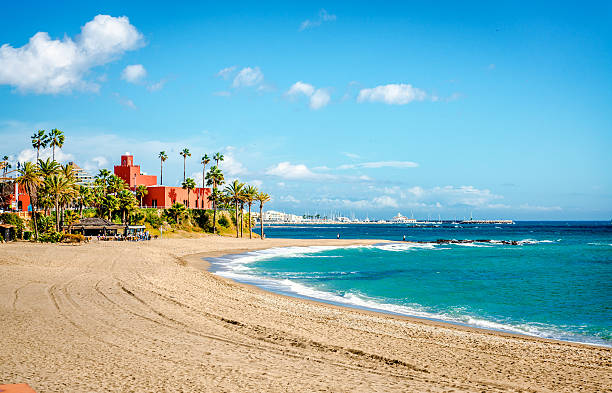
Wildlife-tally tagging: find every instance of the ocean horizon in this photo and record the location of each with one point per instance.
(543, 279)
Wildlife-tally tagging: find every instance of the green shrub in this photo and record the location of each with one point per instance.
(138, 217)
(50, 237)
(223, 221)
(13, 219)
(73, 238)
(152, 218)
(45, 224)
(201, 218)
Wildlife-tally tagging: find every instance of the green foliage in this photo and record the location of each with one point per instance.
(202, 218)
(138, 217)
(176, 213)
(223, 221)
(13, 219)
(50, 237)
(73, 238)
(45, 223)
(152, 218)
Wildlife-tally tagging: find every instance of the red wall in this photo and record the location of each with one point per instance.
(130, 173)
(166, 196)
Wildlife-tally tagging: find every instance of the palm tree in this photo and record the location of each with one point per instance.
(57, 185)
(249, 195)
(115, 184)
(218, 157)
(103, 176)
(188, 184)
(234, 191)
(127, 203)
(84, 198)
(56, 138)
(162, 157)
(29, 178)
(205, 161)
(4, 164)
(68, 171)
(262, 198)
(215, 177)
(39, 139)
(177, 211)
(108, 205)
(141, 191)
(48, 168)
(214, 198)
(185, 153)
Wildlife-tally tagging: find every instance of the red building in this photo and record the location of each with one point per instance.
(18, 200)
(160, 196)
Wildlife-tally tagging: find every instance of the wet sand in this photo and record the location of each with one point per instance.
(142, 317)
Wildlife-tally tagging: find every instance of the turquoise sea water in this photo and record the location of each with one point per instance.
(555, 283)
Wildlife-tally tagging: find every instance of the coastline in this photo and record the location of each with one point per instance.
(147, 316)
(200, 262)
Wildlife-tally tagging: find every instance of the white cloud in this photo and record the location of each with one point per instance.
(381, 164)
(95, 164)
(248, 77)
(230, 165)
(300, 87)
(289, 199)
(287, 170)
(157, 85)
(226, 72)
(125, 101)
(318, 97)
(30, 155)
(324, 16)
(352, 155)
(380, 202)
(133, 73)
(527, 206)
(47, 66)
(392, 94)
(256, 183)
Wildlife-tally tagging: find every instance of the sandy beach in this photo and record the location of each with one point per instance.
(144, 317)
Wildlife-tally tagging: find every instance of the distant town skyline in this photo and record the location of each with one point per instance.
(446, 109)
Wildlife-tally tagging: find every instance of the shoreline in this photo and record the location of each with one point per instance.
(200, 262)
(148, 316)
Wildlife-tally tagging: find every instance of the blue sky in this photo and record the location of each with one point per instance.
(499, 109)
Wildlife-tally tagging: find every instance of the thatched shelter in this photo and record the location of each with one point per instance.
(93, 226)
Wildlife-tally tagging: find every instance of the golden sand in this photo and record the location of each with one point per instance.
(145, 317)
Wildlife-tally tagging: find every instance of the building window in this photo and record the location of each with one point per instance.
(154, 203)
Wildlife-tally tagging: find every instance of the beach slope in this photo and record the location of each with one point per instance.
(143, 317)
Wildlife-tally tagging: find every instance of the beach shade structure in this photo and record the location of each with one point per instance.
(7, 231)
(93, 226)
(16, 388)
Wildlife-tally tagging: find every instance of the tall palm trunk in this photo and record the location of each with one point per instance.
(214, 219)
(241, 217)
(37, 152)
(250, 231)
(261, 220)
(161, 172)
(203, 177)
(236, 218)
(188, 198)
(57, 215)
(29, 190)
(184, 164)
